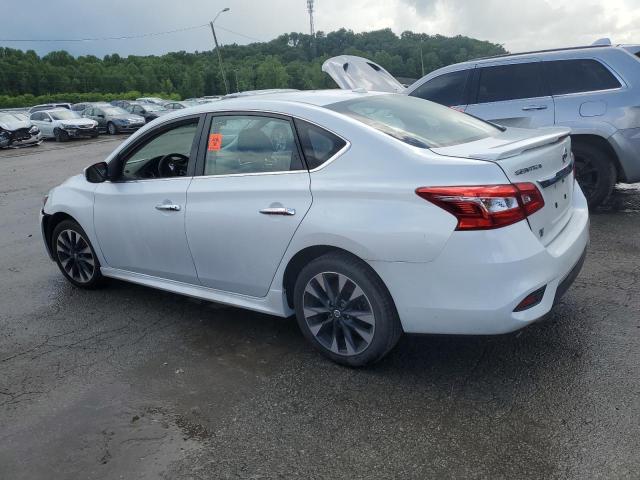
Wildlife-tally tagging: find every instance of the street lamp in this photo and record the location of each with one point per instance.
(215, 39)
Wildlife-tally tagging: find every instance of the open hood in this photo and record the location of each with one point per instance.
(351, 72)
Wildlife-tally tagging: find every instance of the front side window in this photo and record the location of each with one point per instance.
(317, 144)
(510, 82)
(447, 89)
(575, 76)
(239, 144)
(164, 156)
(414, 121)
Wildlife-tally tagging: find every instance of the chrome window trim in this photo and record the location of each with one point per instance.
(289, 115)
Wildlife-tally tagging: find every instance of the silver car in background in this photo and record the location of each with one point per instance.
(593, 90)
(63, 124)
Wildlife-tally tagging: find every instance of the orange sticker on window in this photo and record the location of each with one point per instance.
(215, 142)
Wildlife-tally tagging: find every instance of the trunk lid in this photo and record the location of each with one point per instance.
(351, 72)
(542, 157)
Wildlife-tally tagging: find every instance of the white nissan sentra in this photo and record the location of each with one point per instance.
(364, 214)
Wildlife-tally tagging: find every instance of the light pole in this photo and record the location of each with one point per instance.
(215, 39)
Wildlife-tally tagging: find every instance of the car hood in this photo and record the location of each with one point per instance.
(77, 121)
(12, 126)
(351, 72)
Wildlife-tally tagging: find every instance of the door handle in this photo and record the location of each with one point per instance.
(278, 211)
(168, 207)
(534, 107)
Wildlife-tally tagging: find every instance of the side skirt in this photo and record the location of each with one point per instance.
(274, 303)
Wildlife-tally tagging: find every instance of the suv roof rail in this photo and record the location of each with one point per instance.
(541, 51)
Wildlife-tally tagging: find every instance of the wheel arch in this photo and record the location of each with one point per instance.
(298, 261)
(604, 145)
(49, 224)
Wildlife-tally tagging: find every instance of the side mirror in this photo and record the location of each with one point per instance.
(97, 173)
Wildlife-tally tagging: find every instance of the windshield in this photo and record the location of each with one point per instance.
(11, 117)
(415, 121)
(114, 111)
(64, 115)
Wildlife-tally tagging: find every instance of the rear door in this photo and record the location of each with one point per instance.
(253, 192)
(450, 89)
(512, 94)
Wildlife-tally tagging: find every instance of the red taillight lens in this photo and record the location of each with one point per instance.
(488, 206)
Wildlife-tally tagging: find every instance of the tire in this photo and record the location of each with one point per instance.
(60, 135)
(351, 328)
(75, 255)
(111, 128)
(595, 172)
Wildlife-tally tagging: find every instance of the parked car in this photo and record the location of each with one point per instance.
(179, 105)
(63, 124)
(365, 214)
(113, 120)
(49, 106)
(16, 130)
(121, 103)
(592, 90)
(154, 100)
(81, 107)
(149, 111)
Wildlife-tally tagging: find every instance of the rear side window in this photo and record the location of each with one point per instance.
(510, 82)
(317, 144)
(574, 76)
(447, 89)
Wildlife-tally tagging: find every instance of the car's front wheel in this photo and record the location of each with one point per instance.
(111, 128)
(345, 310)
(74, 255)
(60, 135)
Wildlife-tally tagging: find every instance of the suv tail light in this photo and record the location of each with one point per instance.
(487, 206)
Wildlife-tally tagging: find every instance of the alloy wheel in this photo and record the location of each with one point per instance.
(75, 256)
(338, 313)
(586, 175)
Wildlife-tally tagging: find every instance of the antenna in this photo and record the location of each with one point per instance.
(310, 9)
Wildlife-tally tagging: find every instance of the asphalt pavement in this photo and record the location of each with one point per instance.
(128, 382)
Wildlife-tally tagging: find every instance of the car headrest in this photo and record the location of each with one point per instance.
(255, 140)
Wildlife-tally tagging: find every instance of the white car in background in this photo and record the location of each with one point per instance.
(364, 214)
(63, 124)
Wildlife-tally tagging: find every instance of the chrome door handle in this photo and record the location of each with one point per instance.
(168, 207)
(278, 211)
(534, 107)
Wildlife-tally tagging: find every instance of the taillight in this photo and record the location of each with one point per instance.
(488, 206)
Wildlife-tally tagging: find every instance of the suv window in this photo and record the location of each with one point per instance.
(240, 144)
(318, 145)
(165, 155)
(510, 82)
(447, 89)
(581, 75)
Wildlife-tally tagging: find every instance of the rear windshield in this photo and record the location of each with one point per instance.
(418, 122)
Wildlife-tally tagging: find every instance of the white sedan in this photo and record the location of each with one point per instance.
(364, 214)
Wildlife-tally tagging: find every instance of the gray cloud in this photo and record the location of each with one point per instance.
(517, 24)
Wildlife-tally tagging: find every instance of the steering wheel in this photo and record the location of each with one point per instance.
(173, 165)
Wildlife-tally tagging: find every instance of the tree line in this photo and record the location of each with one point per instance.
(291, 60)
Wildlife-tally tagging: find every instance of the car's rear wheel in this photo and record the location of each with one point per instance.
(111, 128)
(345, 310)
(595, 172)
(74, 255)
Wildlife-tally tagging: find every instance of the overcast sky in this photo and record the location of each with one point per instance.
(517, 24)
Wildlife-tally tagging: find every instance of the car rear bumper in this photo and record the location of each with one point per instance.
(480, 277)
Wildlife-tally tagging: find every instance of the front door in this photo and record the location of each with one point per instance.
(244, 209)
(513, 95)
(139, 217)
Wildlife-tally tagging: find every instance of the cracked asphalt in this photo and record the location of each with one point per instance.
(128, 382)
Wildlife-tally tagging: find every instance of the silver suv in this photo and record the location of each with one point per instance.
(593, 90)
